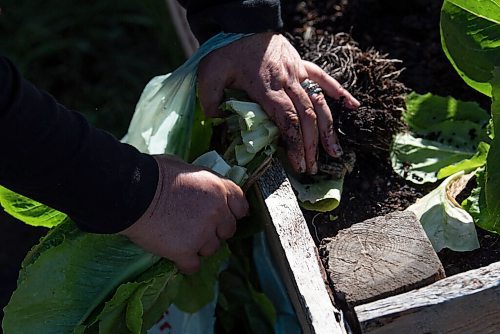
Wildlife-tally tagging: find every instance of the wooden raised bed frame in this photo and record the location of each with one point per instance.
(465, 303)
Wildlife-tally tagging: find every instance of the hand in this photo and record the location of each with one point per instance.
(193, 209)
(268, 68)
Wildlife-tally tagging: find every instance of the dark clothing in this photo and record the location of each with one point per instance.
(53, 155)
(206, 18)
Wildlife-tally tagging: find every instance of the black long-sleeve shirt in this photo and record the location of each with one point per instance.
(53, 155)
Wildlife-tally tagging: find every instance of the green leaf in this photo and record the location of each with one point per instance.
(29, 211)
(418, 160)
(492, 184)
(135, 309)
(322, 195)
(467, 165)
(197, 290)
(112, 318)
(446, 119)
(67, 281)
(446, 224)
(470, 36)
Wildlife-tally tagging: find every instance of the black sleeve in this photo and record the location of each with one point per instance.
(53, 155)
(209, 17)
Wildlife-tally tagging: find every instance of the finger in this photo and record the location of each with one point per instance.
(211, 86)
(327, 134)
(330, 85)
(236, 200)
(189, 264)
(308, 124)
(282, 112)
(226, 228)
(210, 247)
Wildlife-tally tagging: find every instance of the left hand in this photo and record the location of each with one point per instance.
(269, 69)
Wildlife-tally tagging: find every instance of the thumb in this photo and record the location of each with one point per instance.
(236, 200)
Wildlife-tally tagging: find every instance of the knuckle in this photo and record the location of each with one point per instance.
(319, 99)
(310, 114)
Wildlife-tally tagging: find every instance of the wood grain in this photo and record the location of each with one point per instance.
(381, 257)
(297, 255)
(465, 303)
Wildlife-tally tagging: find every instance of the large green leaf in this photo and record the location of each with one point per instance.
(70, 278)
(447, 120)
(470, 36)
(454, 138)
(492, 185)
(418, 160)
(29, 211)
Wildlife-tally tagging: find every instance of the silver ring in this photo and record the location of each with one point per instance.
(311, 87)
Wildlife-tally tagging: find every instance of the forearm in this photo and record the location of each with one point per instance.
(208, 17)
(53, 155)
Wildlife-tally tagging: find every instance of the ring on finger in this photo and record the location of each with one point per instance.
(311, 87)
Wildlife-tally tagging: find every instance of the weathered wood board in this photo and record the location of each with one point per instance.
(297, 255)
(380, 257)
(465, 303)
(377, 258)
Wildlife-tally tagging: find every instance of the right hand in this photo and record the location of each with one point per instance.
(192, 211)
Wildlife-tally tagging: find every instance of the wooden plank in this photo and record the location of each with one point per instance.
(465, 303)
(380, 257)
(297, 255)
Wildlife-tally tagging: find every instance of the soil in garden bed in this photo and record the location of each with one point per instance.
(386, 31)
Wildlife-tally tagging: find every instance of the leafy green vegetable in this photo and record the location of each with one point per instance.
(257, 132)
(418, 160)
(492, 184)
(446, 224)
(258, 135)
(29, 211)
(217, 164)
(446, 120)
(476, 205)
(199, 289)
(322, 195)
(70, 278)
(134, 306)
(467, 165)
(470, 36)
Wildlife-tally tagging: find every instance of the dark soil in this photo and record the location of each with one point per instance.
(408, 31)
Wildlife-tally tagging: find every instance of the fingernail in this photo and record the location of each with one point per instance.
(314, 169)
(337, 149)
(353, 103)
(302, 167)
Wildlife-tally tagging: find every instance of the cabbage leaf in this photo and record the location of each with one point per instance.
(470, 36)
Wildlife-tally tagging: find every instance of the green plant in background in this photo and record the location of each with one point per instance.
(94, 57)
(453, 136)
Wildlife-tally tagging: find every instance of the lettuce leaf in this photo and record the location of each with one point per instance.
(29, 211)
(467, 165)
(69, 278)
(449, 136)
(419, 160)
